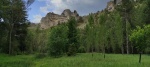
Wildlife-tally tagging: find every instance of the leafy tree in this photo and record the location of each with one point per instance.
(90, 35)
(140, 37)
(104, 32)
(91, 32)
(116, 32)
(29, 41)
(81, 40)
(57, 40)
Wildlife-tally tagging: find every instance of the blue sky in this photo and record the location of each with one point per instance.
(41, 7)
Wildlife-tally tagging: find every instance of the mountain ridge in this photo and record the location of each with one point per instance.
(51, 19)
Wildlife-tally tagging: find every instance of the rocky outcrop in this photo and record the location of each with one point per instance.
(52, 19)
(110, 6)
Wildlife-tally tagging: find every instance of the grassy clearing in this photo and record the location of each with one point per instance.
(81, 60)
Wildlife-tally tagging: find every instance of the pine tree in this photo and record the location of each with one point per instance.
(72, 36)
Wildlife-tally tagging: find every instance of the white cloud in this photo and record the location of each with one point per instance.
(82, 6)
(44, 9)
(37, 18)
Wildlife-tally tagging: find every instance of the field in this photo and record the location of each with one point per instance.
(80, 60)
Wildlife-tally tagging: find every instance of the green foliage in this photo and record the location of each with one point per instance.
(40, 55)
(72, 37)
(146, 11)
(140, 37)
(90, 34)
(139, 15)
(14, 15)
(116, 31)
(104, 31)
(81, 49)
(40, 40)
(72, 50)
(3, 38)
(58, 40)
(29, 40)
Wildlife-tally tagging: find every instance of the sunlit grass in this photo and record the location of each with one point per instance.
(80, 60)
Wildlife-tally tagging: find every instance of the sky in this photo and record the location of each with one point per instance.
(40, 8)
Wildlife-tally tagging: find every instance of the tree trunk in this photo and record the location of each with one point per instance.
(10, 49)
(104, 50)
(10, 38)
(132, 50)
(10, 30)
(104, 53)
(140, 57)
(126, 32)
(127, 43)
(92, 50)
(122, 49)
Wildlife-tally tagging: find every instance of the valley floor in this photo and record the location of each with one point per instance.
(80, 60)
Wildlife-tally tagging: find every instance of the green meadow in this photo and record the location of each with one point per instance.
(80, 60)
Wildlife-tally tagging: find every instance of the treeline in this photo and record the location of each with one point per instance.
(109, 32)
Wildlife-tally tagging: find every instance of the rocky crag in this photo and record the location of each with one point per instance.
(52, 19)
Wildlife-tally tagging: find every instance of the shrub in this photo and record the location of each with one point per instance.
(40, 55)
(81, 49)
(57, 40)
(71, 50)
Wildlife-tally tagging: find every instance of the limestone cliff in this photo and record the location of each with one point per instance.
(52, 19)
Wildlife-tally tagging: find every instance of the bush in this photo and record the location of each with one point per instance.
(147, 50)
(55, 51)
(57, 40)
(40, 55)
(81, 49)
(71, 50)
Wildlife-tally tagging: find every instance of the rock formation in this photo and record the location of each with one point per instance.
(110, 6)
(52, 19)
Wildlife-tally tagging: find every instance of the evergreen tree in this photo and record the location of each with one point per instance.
(72, 36)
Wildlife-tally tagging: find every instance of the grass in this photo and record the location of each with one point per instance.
(80, 60)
